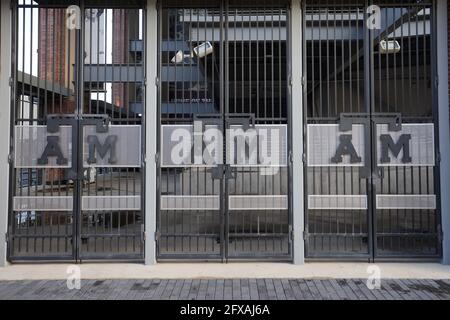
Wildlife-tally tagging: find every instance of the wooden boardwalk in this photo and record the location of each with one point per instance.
(229, 289)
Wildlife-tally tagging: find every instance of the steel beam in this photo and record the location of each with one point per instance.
(111, 73)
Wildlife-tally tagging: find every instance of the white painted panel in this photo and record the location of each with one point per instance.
(410, 201)
(337, 202)
(421, 146)
(128, 146)
(119, 203)
(323, 141)
(190, 202)
(259, 202)
(54, 203)
(30, 143)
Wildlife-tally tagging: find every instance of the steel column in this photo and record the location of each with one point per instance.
(151, 126)
(297, 133)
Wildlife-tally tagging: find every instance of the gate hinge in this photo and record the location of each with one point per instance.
(440, 234)
(305, 234)
(303, 81)
(157, 235)
(157, 158)
(10, 158)
(438, 157)
(157, 82)
(143, 233)
(304, 158)
(7, 237)
(291, 233)
(290, 81)
(11, 82)
(291, 157)
(436, 81)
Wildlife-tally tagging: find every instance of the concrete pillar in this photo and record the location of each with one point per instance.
(5, 94)
(151, 125)
(297, 131)
(444, 125)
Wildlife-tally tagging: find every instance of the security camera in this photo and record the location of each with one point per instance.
(179, 57)
(390, 46)
(206, 48)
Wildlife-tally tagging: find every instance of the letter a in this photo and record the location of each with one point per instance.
(346, 148)
(52, 150)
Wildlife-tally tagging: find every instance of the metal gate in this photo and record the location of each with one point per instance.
(371, 151)
(223, 77)
(77, 136)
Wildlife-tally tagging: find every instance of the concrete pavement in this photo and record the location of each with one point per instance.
(315, 270)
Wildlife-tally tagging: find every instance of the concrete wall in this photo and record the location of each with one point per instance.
(5, 67)
(443, 43)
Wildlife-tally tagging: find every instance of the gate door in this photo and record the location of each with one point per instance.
(371, 165)
(77, 137)
(224, 131)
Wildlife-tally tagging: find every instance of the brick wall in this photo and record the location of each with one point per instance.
(51, 45)
(120, 54)
(125, 28)
(53, 67)
(53, 56)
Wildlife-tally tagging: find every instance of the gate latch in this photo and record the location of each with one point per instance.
(222, 171)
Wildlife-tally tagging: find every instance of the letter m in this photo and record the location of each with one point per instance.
(95, 145)
(387, 143)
